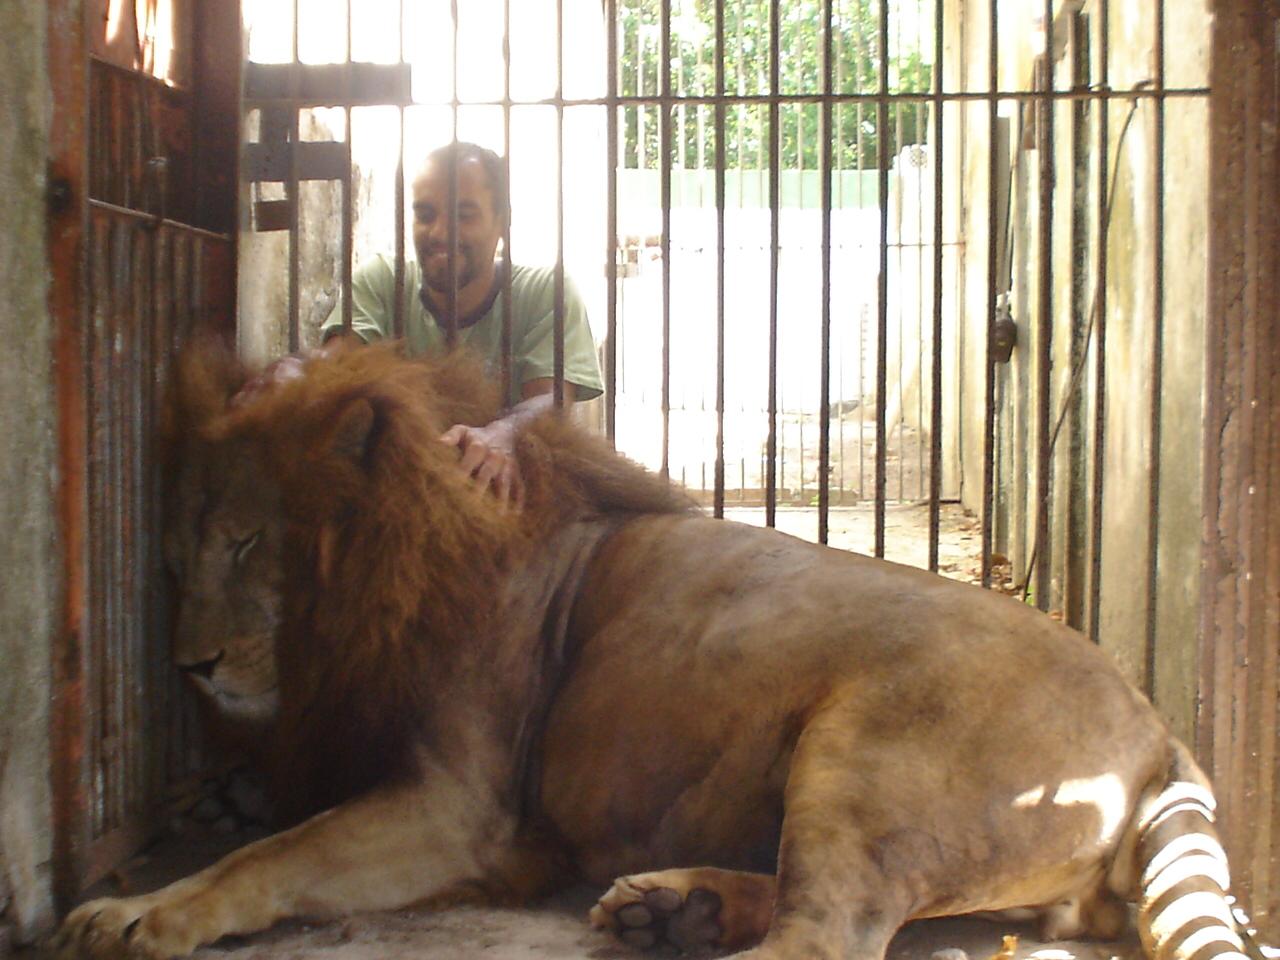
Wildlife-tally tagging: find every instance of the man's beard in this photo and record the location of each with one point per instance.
(437, 274)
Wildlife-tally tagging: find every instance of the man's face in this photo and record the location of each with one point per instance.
(479, 226)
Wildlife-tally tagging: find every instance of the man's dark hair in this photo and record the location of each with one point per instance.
(460, 151)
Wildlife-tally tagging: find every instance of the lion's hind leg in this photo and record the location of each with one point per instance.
(701, 906)
(853, 860)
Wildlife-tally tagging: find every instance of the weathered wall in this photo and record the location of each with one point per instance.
(28, 596)
(1167, 671)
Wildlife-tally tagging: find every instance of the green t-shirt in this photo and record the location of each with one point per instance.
(533, 305)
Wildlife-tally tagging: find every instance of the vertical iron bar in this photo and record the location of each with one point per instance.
(611, 224)
(775, 255)
(1044, 331)
(1073, 406)
(1157, 352)
(397, 307)
(348, 214)
(558, 337)
(506, 335)
(718, 506)
(993, 226)
(295, 278)
(664, 149)
(451, 321)
(882, 305)
(860, 147)
(935, 414)
(824, 406)
(1100, 327)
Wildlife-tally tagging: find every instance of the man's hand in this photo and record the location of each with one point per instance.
(488, 457)
(488, 453)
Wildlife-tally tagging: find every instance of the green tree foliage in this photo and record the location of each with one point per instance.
(855, 45)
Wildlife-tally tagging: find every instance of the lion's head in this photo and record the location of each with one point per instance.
(332, 559)
(224, 544)
(223, 540)
(307, 522)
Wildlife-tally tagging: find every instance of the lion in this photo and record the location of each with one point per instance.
(751, 742)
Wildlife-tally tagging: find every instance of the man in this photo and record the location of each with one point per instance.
(464, 289)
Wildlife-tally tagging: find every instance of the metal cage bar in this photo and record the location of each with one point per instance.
(664, 160)
(558, 387)
(775, 255)
(506, 337)
(611, 220)
(348, 201)
(993, 220)
(935, 412)
(882, 295)
(1045, 131)
(718, 497)
(824, 403)
(1103, 213)
(1157, 350)
(292, 191)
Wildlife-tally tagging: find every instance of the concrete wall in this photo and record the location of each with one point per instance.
(28, 598)
(1128, 454)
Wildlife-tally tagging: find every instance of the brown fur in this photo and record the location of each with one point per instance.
(413, 545)
(608, 683)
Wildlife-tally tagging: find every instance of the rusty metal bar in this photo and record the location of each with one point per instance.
(558, 336)
(882, 301)
(1237, 734)
(348, 212)
(664, 159)
(295, 233)
(505, 346)
(97, 380)
(993, 227)
(718, 500)
(1157, 354)
(451, 299)
(397, 308)
(1075, 541)
(935, 413)
(775, 252)
(824, 404)
(134, 75)
(348, 84)
(1103, 189)
(611, 224)
(1044, 330)
(904, 96)
(101, 206)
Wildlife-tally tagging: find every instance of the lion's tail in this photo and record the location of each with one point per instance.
(1185, 910)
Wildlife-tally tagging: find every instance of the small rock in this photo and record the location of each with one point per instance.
(949, 953)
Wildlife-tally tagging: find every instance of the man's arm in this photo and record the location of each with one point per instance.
(488, 452)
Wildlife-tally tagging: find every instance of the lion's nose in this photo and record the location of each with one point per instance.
(203, 668)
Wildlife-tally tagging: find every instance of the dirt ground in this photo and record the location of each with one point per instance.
(554, 930)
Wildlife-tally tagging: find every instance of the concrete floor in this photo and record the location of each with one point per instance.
(554, 930)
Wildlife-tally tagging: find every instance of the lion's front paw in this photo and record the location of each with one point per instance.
(643, 912)
(133, 928)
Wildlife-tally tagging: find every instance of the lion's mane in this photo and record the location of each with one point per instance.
(392, 558)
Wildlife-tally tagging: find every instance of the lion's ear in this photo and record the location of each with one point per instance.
(353, 430)
(206, 374)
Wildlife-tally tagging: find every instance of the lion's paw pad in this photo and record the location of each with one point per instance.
(662, 915)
